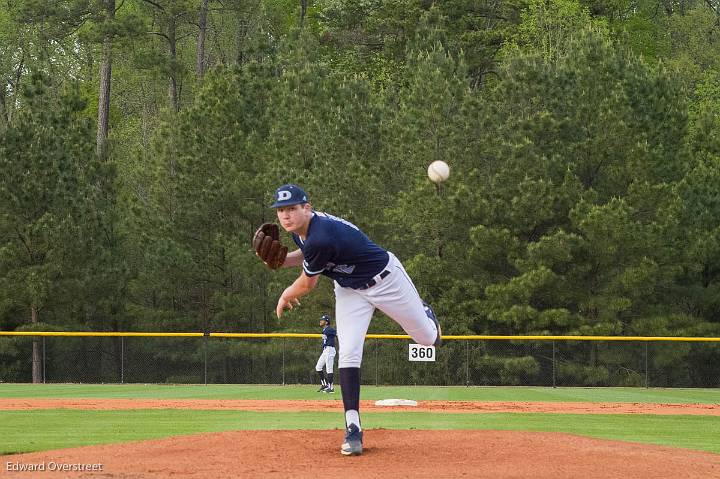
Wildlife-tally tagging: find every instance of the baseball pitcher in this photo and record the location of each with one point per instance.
(366, 277)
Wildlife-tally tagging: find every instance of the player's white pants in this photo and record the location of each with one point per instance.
(396, 296)
(326, 360)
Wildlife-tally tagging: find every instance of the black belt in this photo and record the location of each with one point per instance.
(372, 282)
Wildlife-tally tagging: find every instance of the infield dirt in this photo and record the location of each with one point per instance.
(388, 454)
(329, 405)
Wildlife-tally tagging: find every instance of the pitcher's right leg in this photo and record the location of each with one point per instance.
(353, 313)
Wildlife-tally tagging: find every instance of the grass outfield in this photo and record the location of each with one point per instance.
(419, 393)
(37, 430)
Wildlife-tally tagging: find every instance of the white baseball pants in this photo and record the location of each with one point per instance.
(326, 360)
(396, 296)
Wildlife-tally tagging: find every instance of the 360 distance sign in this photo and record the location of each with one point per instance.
(418, 352)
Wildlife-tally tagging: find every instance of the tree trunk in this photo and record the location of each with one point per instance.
(104, 94)
(3, 108)
(303, 12)
(172, 50)
(241, 34)
(37, 376)
(202, 33)
(15, 88)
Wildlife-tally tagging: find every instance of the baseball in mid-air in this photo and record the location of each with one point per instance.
(438, 171)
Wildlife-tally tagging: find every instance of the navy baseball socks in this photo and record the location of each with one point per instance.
(350, 384)
(431, 314)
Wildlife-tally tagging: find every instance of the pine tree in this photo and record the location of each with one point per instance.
(48, 188)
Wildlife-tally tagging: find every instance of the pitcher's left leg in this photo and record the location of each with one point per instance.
(397, 297)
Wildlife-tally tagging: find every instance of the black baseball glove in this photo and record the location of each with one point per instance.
(267, 246)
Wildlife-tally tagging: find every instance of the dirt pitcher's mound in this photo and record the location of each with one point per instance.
(388, 454)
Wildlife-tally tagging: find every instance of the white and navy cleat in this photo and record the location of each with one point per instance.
(353, 441)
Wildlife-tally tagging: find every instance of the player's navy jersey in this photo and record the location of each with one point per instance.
(338, 249)
(328, 337)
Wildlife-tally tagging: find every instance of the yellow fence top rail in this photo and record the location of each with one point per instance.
(369, 336)
(97, 334)
(552, 338)
(265, 335)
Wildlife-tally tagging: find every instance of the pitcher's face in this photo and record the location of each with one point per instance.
(295, 218)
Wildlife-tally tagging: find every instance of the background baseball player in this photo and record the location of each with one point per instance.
(327, 356)
(365, 276)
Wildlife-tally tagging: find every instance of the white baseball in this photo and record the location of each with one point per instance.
(438, 171)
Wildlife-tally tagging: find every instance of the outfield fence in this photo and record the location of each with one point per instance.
(286, 358)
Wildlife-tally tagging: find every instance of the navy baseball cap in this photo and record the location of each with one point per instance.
(325, 317)
(288, 195)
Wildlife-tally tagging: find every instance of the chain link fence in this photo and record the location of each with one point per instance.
(218, 360)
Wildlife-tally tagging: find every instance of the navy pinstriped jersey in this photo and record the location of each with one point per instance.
(328, 337)
(339, 250)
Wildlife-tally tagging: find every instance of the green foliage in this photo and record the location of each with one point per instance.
(695, 37)
(48, 190)
(546, 27)
(323, 134)
(569, 373)
(205, 196)
(389, 28)
(580, 215)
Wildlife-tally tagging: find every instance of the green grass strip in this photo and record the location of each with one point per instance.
(419, 393)
(38, 430)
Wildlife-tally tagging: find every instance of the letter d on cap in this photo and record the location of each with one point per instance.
(289, 195)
